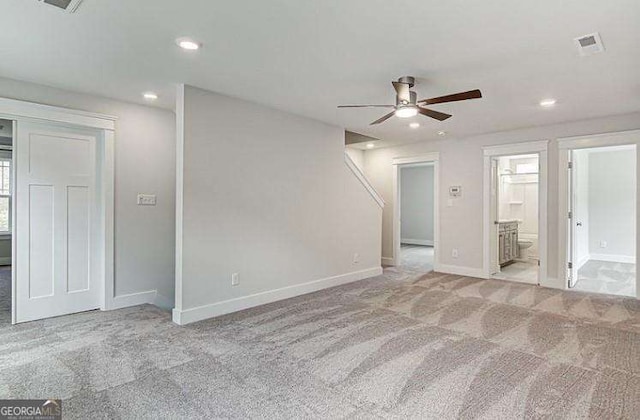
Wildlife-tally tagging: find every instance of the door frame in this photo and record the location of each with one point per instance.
(22, 111)
(490, 152)
(428, 158)
(565, 146)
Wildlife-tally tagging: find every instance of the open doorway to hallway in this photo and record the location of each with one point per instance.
(6, 189)
(602, 220)
(417, 216)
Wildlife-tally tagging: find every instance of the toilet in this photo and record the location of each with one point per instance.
(523, 246)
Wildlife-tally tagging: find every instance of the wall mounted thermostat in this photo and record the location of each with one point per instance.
(146, 199)
(455, 191)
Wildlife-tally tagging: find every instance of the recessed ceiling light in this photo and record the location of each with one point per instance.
(406, 112)
(442, 133)
(370, 145)
(188, 44)
(414, 125)
(547, 102)
(150, 96)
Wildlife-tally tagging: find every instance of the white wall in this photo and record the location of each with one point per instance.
(416, 204)
(267, 195)
(357, 156)
(144, 163)
(612, 203)
(461, 163)
(581, 205)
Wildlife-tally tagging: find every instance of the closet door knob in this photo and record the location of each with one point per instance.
(579, 224)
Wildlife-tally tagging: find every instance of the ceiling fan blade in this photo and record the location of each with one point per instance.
(462, 96)
(366, 106)
(440, 116)
(403, 91)
(383, 119)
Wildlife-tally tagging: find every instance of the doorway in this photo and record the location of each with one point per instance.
(515, 212)
(415, 212)
(417, 216)
(61, 174)
(515, 191)
(6, 224)
(602, 220)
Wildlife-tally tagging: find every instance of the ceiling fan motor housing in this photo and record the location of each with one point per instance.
(410, 80)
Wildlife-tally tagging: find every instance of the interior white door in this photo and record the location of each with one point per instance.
(495, 196)
(57, 220)
(572, 223)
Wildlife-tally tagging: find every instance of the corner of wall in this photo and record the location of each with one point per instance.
(180, 115)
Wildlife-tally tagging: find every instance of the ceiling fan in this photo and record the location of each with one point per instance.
(407, 103)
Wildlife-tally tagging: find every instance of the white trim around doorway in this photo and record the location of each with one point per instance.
(534, 147)
(21, 111)
(428, 158)
(565, 146)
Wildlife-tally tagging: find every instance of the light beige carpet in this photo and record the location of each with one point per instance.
(402, 345)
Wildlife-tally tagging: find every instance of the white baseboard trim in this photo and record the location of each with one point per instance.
(613, 258)
(133, 299)
(5, 260)
(388, 261)
(583, 261)
(199, 313)
(460, 270)
(163, 302)
(424, 242)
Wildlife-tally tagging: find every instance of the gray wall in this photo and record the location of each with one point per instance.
(5, 250)
(144, 163)
(612, 203)
(267, 195)
(416, 205)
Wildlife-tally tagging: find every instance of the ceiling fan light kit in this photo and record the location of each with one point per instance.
(407, 103)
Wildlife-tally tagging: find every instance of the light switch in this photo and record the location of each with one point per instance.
(146, 199)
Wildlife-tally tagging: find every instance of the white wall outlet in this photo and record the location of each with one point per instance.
(146, 199)
(454, 253)
(356, 258)
(603, 244)
(450, 202)
(235, 280)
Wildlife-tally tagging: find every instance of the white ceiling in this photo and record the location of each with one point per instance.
(308, 56)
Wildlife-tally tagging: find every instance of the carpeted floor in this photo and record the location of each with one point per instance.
(402, 345)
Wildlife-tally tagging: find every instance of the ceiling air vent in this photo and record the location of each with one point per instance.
(68, 5)
(589, 44)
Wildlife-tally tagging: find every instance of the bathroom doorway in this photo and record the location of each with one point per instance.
(515, 192)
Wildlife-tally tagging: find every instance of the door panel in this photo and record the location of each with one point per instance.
(573, 233)
(40, 276)
(56, 222)
(497, 246)
(78, 238)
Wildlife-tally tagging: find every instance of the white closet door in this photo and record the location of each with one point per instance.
(57, 221)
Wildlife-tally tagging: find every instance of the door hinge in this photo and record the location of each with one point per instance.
(570, 265)
(570, 166)
(570, 215)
